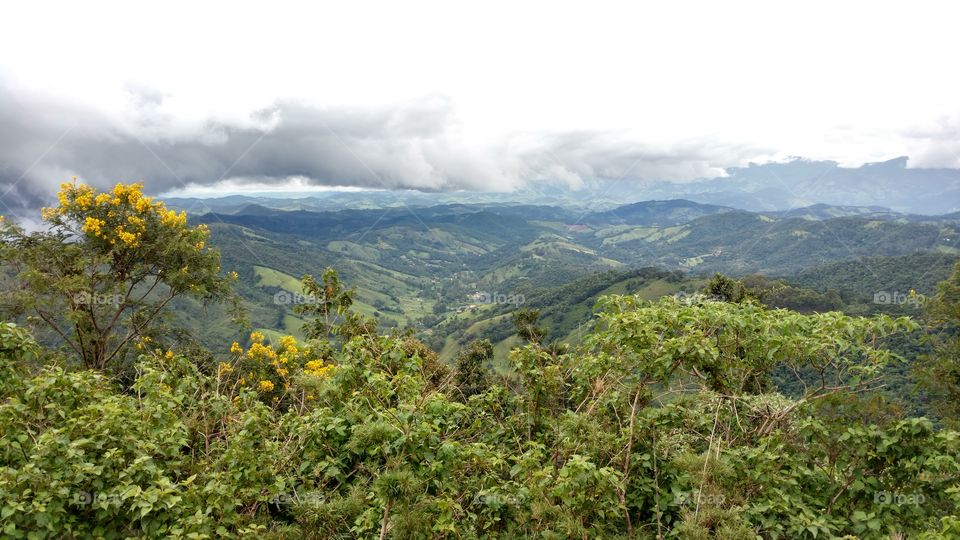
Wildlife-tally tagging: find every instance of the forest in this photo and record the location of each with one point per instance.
(722, 413)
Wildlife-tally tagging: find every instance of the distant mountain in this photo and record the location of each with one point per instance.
(257, 210)
(801, 183)
(815, 189)
(656, 213)
(501, 247)
(532, 195)
(828, 211)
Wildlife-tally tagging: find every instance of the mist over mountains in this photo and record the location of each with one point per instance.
(800, 183)
(770, 187)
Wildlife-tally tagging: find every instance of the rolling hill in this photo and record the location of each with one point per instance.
(424, 268)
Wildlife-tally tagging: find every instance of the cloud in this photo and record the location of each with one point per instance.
(935, 144)
(579, 158)
(418, 144)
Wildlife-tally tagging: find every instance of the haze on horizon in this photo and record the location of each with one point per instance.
(216, 97)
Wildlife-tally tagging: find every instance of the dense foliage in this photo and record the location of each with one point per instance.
(662, 427)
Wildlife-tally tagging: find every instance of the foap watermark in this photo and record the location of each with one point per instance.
(287, 298)
(87, 498)
(899, 499)
(695, 498)
(86, 298)
(689, 298)
(498, 298)
(285, 499)
(897, 298)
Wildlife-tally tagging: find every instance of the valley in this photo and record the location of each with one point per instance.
(420, 268)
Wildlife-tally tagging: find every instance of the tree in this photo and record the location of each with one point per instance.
(525, 321)
(723, 288)
(471, 375)
(732, 348)
(327, 301)
(940, 372)
(101, 273)
(18, 350)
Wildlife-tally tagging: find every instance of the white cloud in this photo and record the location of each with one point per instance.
(439, 96)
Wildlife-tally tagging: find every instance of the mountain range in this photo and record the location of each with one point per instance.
(769, 187)
(463, 268)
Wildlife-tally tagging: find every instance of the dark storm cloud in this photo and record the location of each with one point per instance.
(412, 145)
(43, 142)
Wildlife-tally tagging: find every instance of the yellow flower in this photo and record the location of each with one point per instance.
(171, 219)
(84, 200)
(63, 196)
(168, 355)
(256, 337)
(102, 199)
(236, 348)
(317, 368)
(234, 276)
(224, 369)
(142, 205)
(266, 386)
(119, 190)
(93, 226)
(282, 372)
(127, 238)
(288, 343)
(199, 245)
(259, 350)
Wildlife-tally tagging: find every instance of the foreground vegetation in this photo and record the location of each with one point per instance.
(665, 422)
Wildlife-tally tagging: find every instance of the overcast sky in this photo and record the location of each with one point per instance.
(201, 97)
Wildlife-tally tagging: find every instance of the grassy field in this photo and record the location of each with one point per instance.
(268, 277)
(411, 306)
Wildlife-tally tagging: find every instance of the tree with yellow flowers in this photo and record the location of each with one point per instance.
(283, 374)
(106, 266)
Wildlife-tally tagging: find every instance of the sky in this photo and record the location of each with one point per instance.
(214, 97)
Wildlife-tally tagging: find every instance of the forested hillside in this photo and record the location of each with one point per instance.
(453, 273)
(630, 403)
